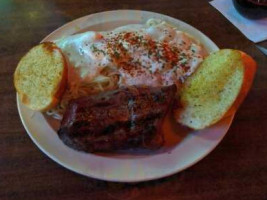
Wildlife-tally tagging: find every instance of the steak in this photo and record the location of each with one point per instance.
(128, 117)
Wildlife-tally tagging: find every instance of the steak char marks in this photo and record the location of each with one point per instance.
(124, 118)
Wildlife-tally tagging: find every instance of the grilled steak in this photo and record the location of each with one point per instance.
(124, 118)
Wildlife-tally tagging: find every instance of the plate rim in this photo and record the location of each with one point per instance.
(139, 179)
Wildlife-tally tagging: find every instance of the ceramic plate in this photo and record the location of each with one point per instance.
(183, 148)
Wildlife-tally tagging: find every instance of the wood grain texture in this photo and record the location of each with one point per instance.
(236, 169)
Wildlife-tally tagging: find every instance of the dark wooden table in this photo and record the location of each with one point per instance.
(236, 169)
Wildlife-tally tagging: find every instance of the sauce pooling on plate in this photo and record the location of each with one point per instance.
(153, 54)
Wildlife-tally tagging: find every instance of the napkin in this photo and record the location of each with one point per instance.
(254, 30)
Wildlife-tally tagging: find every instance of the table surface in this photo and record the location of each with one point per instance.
(236, 169)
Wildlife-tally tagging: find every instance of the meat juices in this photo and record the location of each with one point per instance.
(124, 118)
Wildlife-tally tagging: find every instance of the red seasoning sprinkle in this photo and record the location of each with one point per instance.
(121, 48)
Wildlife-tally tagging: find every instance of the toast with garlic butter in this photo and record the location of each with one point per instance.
(41, 76)
(216, 89)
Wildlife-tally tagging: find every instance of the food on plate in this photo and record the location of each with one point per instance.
(151, 54)
(41, 76)
(113, 88)
(123, 118)
(220, 83)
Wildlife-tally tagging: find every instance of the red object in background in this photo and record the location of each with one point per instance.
(258, 2)
(253, 9)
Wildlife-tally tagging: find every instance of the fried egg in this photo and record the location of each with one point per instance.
(152, 54)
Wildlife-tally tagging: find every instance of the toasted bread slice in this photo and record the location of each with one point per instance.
(41, 76)
(217, 87)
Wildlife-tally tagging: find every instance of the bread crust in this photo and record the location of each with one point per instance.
(250, 68)
(59, 91)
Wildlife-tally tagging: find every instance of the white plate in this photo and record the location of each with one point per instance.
(124, 167)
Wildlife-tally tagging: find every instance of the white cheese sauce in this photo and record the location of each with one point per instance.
(153, 54)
